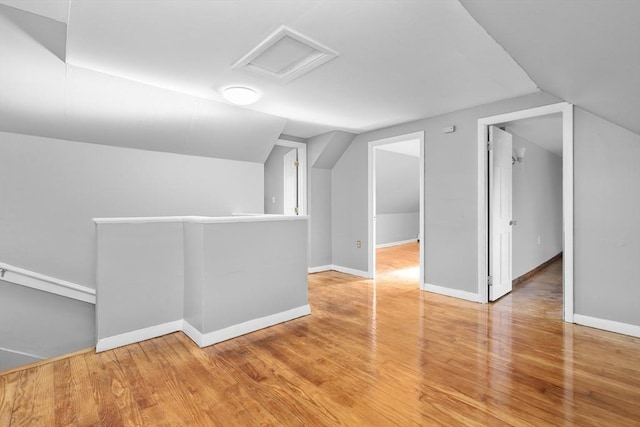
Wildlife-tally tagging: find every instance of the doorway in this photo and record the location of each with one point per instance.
(397, 219)
(285, 176)
(494, 251)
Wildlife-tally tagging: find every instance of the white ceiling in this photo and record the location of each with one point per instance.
(57, 10)
(399, 60)
(586, 52)
(41, 95)
(148, 74)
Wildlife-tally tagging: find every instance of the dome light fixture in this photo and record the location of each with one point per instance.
(240, 95)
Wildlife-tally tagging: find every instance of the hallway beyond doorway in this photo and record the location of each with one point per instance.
(399, 264)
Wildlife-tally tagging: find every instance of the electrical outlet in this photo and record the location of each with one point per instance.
(358, 244)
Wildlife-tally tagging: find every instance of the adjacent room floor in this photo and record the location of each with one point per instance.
(371, 354)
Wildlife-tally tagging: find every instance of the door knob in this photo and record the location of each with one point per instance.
(513, 222)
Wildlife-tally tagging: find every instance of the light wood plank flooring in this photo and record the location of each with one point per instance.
(371, 354)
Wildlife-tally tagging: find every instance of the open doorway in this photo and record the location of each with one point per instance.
(396, 208)
(285, 173)
(542, 232)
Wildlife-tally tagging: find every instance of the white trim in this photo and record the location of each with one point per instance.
(422, 209)
(30, 279)
(22, 353)
(567, 196)
(233, 331)
(319, 269)
(138, 335)
(290, 144)
(200, 219)
(302, 171)
(398, 243)
(607, 325)
(450, 292)
(192, 332)
(339, 269)
(371, 253)
(198, 337)
(351, 271)
(567, 212)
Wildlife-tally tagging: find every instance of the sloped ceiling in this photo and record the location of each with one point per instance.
(585, 52)
(397, 183)
(410, 147)
(399, 60)
(326, 149)
(57, 10)
(149, 74)
(544, 131)
(41, 95)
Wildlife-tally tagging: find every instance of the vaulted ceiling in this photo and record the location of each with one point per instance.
(149, 74)
(586, 52)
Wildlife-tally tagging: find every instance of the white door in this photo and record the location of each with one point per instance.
(500, 205)
(290, 196)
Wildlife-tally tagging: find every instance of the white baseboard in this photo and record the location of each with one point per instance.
(469, 296)
(203, 340)
(192, 332)
(401, 242)
(210, 338)
(138, 335)
(30, 279)
(607, 325)
(338, 268)
(320, 268)
(351, 271)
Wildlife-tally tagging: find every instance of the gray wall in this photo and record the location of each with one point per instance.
(154, 273)
(450, 193)
(274, 180)
(397, 197)
(140, 276)
(537, 206)
(323, 151)
(51, 189)
(607, 205)
(319, 199)
(397, 227)
(607, 220)
(246, 282)
(41, 324)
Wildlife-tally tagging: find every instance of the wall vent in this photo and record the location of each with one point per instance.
(285, 55)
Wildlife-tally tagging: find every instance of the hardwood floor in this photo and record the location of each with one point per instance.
(371, 354)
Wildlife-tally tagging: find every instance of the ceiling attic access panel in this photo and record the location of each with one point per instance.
(285, 55)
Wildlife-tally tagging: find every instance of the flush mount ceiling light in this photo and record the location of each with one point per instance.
(285, 55)
(240, 95)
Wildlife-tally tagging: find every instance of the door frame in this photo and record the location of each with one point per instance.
(567, 197)
(371, 255)
(302, 171)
